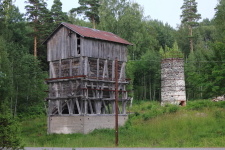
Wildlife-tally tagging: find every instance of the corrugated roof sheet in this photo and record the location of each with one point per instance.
(91, 33)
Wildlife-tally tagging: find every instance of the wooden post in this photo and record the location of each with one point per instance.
(116, 100)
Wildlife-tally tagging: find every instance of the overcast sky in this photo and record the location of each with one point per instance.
(164, 10)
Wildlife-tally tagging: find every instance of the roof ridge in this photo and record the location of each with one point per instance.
(90, 33)
(87, 27)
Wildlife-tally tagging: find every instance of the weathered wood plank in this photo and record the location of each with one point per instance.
(90, 106)
(85, 65)
(82, 53)
(73, 45)
(122, 72)
(78, 106)
(97, 68)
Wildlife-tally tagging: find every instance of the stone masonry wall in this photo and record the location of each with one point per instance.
(173, 81)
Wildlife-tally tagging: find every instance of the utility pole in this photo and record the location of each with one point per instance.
(116, 102)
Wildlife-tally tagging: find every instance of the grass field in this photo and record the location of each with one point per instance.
(200, 124)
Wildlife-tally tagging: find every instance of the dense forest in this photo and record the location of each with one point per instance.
(23, 65)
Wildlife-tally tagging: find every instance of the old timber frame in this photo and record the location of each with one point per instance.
(82, 79)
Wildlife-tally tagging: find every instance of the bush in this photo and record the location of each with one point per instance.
(220, 104)
(9, 130)
(151, 114)
(200, 104)
(173, 108)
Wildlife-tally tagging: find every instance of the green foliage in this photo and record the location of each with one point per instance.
(154, 127)
(57, 14)
(204, 72)
(40, 20)
(173, 108)
(127, 21)
(147, 76)
(9, 129)
(189, 13)
(80, 22)
(5, 71)
(183, 41)
(90, 9)
(219, 19)
(23, 78)
(190, 17)
(173, 52)
(164, 33)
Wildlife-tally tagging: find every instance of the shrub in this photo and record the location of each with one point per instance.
(9, 130)
(173, 108)
(151, 114)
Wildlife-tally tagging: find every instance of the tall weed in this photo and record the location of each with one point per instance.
(199, 124)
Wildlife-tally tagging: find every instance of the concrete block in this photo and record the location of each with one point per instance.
(83, 124)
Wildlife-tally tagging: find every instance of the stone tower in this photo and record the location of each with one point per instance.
(173, 82)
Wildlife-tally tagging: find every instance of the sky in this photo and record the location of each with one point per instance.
(167, 11)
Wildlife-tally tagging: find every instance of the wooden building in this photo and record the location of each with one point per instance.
(82, 78)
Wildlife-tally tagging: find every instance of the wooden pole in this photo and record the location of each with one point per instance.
(116, 101)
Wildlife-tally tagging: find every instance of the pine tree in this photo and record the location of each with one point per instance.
(90, 9)
(190, 16)
(219, 20)
(35, 11)
(57, 14)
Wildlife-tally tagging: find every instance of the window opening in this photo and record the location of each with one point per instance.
(78, 44)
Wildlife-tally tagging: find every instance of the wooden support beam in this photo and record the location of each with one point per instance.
(108, 106)
(124, 103)
(49, 107)
(81, 66)
(70, 67)
(122, 72)
(104, 107)
(85, 106)
(93, 91)
(88, 69)
(113, 107)
(52, 71)
(78, 106)
(59, 106)
(61, 79)
(86, 66)
(90, 106)
(82, 106)
(60, 68)
(98, 106)
(98, 68)
(62, 98)
(70, 104)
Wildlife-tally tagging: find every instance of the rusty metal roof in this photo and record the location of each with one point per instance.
(90, 33)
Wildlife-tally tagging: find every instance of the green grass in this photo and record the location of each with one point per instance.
(199, 124)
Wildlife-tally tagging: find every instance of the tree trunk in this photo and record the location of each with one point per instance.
(16, 102)
(154, 95)
(145, 87)
(35, 33)
(150, 92)
(191, 40)
(93, 23)
(35, 46)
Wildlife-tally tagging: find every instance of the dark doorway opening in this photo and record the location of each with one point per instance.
(182, 103)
